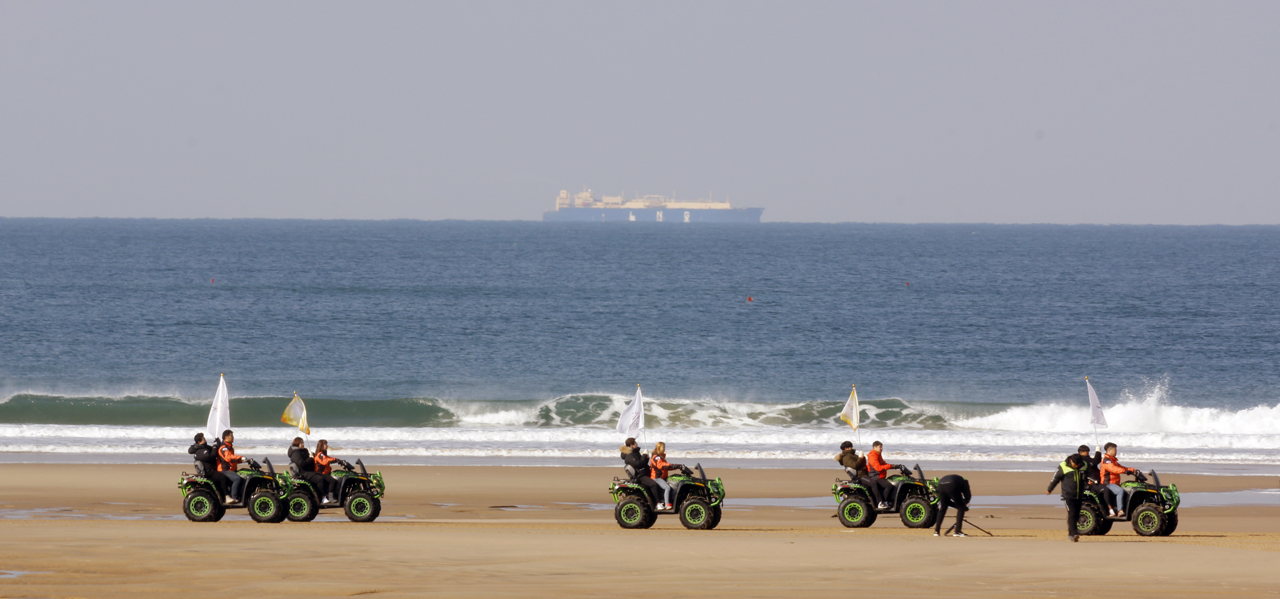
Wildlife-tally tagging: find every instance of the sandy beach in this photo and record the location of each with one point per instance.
(117, 531)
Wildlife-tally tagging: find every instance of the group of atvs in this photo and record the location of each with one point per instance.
(1151, 507)
(273, 497)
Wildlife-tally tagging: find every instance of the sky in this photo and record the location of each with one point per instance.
(999, 112)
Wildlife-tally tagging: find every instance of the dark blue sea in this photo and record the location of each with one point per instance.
(526, 339)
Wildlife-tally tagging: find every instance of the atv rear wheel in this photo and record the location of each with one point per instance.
(1089, 521)
(200, 506)
(716, 512)
(633, 512)
(1148, 520)
(362, 507)
(918, 513)
(855, 512)
(266, 508)
(695, 514)
(1170, 524)
(300, 506)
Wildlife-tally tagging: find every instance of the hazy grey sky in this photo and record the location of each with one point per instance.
(1011, 112)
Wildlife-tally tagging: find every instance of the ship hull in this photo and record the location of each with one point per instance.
(653, 215)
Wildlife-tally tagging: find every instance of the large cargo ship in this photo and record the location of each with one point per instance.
(584, 207)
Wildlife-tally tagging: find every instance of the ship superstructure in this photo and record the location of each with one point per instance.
(651, 208)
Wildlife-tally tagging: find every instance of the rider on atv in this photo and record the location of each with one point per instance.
(639, 462)
(228, 462)
(879, 470)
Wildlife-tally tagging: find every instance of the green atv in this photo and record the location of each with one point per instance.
(1152, 508)
(201, 501)
(698, 500)
(913, 498)
(359, 494)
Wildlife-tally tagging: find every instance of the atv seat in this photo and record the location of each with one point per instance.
(293, 470)
(852, 475)
(631, 473)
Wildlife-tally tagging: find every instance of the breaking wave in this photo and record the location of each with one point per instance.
(1147, 425)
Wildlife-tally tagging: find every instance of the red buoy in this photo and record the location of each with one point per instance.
(748, 298)
(210, 280)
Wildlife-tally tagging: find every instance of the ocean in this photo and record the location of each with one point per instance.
(514, 342)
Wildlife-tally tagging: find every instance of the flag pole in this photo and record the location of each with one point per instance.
(1097, 442)
(857, 418)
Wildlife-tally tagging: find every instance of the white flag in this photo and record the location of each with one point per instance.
(631, 419)
(850, 412)
(1096, 419)
(219, 413)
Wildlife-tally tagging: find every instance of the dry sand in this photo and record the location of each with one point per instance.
(117, 531)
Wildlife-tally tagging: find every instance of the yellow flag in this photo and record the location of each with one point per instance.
(296, 414)
(850, 412)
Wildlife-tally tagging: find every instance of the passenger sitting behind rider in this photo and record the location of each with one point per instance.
(324, 467)
(658, 467)
(639, 463)
(878, 470)
(849, 458)
(207, 463)
(1094, 478)
(306, 466)
(1111, 471)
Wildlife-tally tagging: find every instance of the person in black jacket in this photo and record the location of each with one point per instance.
(953, 491)
(632, 456)
(1072, 476)
(207, 463)
(306, 466)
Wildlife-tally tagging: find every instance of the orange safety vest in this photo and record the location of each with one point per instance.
(322, 463)
(658, 467)
(228, 460)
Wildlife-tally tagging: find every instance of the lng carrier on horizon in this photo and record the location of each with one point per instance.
(583, 207)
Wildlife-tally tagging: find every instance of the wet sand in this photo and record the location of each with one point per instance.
(118, 531)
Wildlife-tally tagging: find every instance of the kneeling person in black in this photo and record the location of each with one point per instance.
(632, 456)
(953, 491)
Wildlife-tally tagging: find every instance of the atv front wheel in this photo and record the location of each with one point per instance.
(1089, 521)
(266, 508)
(1170, 524)
(1104, 526)
(855, 512)
(917, 513)
(716, 512)
(363, 507)
(300, 506)
(633, 512)
(1148, 520)
(200, 506)
(695, 514)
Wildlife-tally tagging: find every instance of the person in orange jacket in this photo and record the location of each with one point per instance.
(658, 467)
(324, 467)
(878, 470)
(227, 462)
(1111, 471)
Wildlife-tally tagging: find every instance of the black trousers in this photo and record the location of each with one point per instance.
(946, 500)
(877, 485)
(1073, 514)
(655, 492)
(317, 480)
